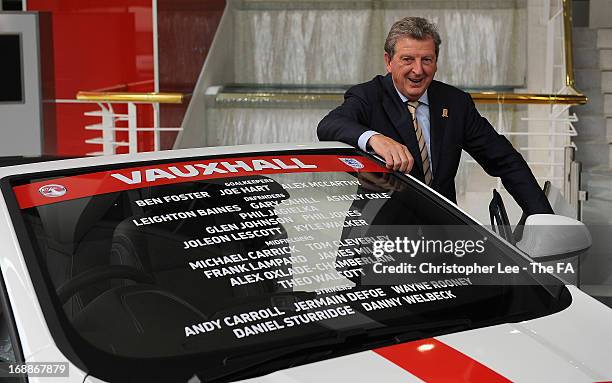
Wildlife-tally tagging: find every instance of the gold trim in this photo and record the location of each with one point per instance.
(567, 40)
(257, 97)
(528, 98)
(162, 98)
(478, 97)
(264, 97)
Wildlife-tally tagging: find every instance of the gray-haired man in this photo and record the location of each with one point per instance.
(420, 125)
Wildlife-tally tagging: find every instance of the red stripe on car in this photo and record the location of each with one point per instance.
(87, 185)
(434, 361)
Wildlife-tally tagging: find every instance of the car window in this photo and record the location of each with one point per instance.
(6, 344)
(10, 351)
(234, 266)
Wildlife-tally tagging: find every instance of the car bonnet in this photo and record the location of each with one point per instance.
(538, 350)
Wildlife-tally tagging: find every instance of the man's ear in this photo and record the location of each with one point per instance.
(387, 62)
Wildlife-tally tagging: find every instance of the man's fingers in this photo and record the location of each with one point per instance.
(409, 161)
(386, 156)
(401, 161)
(405, 161)
(388, 159)
(397, 160)
(396, 155)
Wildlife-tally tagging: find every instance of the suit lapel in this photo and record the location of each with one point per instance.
(437, 124)
(401, 120)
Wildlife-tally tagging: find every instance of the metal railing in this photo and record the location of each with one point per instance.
(557, 124)
(567, 45)
(259, 97)
(134, 97)
(109, 118)
(561, 97)
(558, 19)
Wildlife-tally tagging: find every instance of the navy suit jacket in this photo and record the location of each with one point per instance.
(455, 125)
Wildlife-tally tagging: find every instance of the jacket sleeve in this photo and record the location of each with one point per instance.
(498, 158)
(347, 122)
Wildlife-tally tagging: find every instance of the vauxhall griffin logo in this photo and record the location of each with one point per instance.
(355, 164)
(52, 190)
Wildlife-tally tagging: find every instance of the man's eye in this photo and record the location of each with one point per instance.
(427, 60)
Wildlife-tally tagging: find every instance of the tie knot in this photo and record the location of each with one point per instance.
(412, 106)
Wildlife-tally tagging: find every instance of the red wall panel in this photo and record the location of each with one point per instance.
(98, 44)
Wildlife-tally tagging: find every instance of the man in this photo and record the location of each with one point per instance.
(420, 126)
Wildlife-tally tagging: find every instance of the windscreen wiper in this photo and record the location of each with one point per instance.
(241, 366)
(341, 342)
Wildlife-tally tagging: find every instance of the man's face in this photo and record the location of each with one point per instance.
(412, 66)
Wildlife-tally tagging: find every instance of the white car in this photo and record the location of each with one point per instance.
(305, 263)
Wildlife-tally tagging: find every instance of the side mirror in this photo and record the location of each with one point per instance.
(548, 237)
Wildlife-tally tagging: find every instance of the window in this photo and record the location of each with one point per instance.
(10, 350)
(260, 260)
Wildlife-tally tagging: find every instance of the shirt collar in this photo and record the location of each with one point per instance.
(423, 100)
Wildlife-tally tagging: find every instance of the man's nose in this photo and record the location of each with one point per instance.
(417, 67)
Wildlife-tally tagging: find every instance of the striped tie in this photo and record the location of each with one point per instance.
(412, 107)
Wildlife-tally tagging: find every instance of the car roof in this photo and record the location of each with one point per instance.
(166, 154)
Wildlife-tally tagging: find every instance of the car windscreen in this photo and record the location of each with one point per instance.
(234, 266)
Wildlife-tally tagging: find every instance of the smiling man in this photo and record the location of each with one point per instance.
(420, 125)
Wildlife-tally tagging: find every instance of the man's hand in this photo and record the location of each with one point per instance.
(396, 155)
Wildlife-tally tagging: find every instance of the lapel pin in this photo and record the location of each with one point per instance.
(444, 112)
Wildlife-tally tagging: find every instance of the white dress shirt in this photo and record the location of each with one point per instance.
(422, 118)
